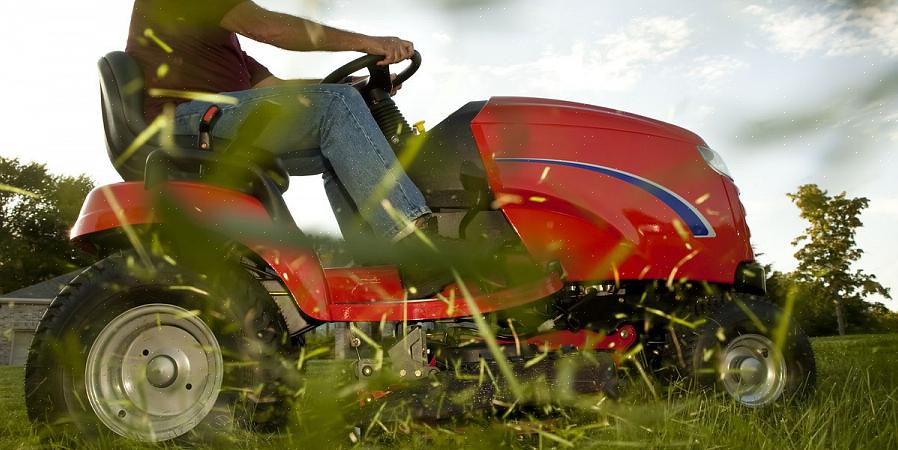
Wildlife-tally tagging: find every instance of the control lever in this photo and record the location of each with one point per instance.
(204, 138)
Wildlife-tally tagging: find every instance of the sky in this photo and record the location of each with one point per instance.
(787, 92)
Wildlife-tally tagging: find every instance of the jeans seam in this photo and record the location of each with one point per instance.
(257, 98)
(373, 145)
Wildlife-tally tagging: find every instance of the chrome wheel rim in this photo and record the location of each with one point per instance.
(154, 372)
(753, 371)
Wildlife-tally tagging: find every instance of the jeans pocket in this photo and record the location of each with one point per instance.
(187, 123)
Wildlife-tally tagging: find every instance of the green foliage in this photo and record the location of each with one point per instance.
(815, 315)
(828, 295)
(37, 209)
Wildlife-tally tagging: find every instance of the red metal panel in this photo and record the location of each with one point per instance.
(364, 284)
(453, 304)
(541, 111)
(127, 204)
(739, 220)
(599, 226)
(300, 270)
(98, 215)
(620, 340)
(135, 205)
(359, 294)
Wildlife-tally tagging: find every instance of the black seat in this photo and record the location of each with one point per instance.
(250, 170)
(122, 94)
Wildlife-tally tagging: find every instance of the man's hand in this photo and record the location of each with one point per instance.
(393, 49)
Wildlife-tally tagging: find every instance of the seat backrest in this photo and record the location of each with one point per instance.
(121, 93)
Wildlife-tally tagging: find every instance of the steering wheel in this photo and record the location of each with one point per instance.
(380, 75)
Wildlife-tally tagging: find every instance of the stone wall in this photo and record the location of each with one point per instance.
(16, 316)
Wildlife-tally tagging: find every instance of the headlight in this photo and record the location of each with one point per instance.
(715, 161)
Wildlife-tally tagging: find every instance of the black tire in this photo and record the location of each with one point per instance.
(749, 322)
(236, 309)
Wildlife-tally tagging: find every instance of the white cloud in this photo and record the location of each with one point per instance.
(615, 62)
(709, 69)
(642, 41)
(885, 207)
(441, 37)
(829, 30)
(796, 33)
(618, 61)
(883, 27)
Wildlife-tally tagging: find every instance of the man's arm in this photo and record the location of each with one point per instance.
(295, 33)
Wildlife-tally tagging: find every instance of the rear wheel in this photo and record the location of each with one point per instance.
(154, 372)
(154, 353)
(745, 350)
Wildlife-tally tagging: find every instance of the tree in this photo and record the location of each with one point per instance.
(804, 299)
(37, 209)
(828, 250)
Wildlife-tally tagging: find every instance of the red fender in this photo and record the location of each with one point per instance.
(359, 294)
(127, 204)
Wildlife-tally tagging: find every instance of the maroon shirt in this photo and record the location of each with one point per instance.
(180, 45)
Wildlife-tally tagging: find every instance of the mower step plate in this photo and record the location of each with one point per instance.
(385, 302)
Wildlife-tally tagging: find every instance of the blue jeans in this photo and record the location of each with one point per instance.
(325, 129)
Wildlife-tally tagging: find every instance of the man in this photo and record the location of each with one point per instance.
(191, 46)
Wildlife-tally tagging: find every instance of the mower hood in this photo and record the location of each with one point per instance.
(538, 111)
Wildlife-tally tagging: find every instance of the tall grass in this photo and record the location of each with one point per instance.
(856, 406)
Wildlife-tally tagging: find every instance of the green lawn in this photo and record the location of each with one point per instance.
(856, 406)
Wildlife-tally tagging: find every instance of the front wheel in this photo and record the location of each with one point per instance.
(749, 349)
(153, 351)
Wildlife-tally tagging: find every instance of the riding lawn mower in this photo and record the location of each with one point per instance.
(603, 239)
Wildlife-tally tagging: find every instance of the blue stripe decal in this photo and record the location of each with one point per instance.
(696, 222)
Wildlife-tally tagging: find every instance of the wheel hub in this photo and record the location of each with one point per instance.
(162, 371)
(154, 372)
(753, 371)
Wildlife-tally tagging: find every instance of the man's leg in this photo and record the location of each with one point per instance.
(391, 202)
(334, 119)
(353, 227)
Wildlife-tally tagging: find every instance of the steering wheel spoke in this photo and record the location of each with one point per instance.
(380, 76)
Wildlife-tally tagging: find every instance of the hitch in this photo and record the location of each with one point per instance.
(408, 358)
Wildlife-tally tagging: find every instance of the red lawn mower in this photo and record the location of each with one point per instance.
(608, 237)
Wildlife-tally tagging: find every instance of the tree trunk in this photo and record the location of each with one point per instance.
(840, 317)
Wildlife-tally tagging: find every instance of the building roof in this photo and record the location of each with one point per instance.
(40, 292)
